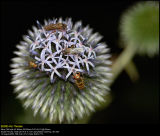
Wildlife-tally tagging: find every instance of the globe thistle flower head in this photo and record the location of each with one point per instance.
(140, 27)
(61, 70)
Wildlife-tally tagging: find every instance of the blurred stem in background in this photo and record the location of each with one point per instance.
(132, 71)
(122, 61)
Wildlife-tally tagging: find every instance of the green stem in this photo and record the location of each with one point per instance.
(122, 61)
(132, 71)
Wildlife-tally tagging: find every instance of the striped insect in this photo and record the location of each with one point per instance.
(54, 27)
(73, 50)
(79, 80)
(32, 64)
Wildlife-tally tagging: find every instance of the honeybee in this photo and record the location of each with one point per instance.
(32, 64)
(79, 80)
(73, 50)
(58, 26)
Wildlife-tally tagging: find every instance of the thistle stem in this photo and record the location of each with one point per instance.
(132, 71)
(124, 58)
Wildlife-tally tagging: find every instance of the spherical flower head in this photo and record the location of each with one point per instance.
(61, 70)
(140, 27)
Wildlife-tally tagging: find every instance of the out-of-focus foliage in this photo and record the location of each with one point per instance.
(140, 27)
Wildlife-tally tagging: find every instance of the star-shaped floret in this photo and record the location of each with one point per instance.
(34, 44)
(52, 56)
(57, 42)
(53, 70)
(65, 62)
(87, 62)
(42, 62)
(76, 37)
(59, 57)
(77, 60)
(91, 51)
(72, 70)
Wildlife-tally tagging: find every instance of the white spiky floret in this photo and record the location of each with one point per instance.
(49, 88)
